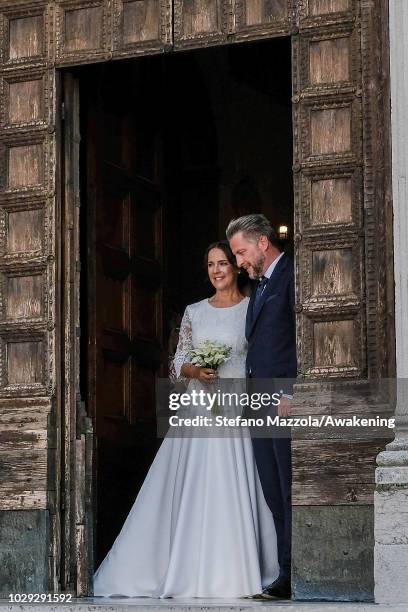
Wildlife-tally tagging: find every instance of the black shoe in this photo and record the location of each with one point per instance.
(280, 589)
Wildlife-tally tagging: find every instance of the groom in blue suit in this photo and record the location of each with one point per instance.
(271, 336)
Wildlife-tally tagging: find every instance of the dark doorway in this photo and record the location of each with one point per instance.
(172, 147)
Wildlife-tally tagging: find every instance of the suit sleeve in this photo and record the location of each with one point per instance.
(287, 387)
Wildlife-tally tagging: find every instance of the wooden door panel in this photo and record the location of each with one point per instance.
(82, 30)
(140, 21)
(327, 7)
(141, 26)
(198, 22)
(254, 19)
(25, 32)
(259, 12)
(98, 29)
(144, 314)
(30, 410)
(114, 308)
(142, 390)
(211, 21)
(116, 232)
(145, 224)
(328, 151)
(116, 401)
(28, 100)
(330, 223)
(126, 203)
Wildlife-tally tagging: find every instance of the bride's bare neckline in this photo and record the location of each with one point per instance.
(225, 307)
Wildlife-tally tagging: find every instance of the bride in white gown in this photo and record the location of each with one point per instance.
(200, 525)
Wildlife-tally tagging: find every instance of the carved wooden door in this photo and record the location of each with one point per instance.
(214, 22)
(125, 295)
(341, 289)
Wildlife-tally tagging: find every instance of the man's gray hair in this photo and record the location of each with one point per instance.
(252, 226)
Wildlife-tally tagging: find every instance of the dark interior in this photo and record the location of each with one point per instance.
(191, 140)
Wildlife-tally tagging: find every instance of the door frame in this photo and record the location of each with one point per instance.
(77, 486)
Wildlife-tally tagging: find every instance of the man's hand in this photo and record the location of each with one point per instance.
(284, 407)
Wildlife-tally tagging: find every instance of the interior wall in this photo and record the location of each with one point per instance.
(231, 151)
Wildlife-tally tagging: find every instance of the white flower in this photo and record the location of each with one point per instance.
(210, 354)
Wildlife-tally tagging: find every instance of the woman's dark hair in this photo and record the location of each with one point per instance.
(225, 248)
(243, 278)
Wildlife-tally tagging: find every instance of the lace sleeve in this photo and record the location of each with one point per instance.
(185, 343)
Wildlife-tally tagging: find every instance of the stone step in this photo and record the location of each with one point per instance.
(89, 604)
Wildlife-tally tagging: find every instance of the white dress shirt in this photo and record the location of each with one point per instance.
(271, 268)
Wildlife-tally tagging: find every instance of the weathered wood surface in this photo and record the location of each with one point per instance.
(24, 443)
(332, 101)
(331, 280)
(330, 492)
(24, 440)
(327, 7)
(24, 468)
(29, 359)
(23, 498)
(198, 22)
(330, 459)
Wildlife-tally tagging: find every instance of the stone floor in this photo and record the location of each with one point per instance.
(195, 605)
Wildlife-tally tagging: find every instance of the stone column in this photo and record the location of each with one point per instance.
(391, 496)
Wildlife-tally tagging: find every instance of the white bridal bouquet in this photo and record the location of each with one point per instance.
(210, 354)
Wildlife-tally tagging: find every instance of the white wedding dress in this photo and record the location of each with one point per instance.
(200, 526)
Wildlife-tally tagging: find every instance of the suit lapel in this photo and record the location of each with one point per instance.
(269, 289)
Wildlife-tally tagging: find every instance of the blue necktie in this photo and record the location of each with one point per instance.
(259, 290)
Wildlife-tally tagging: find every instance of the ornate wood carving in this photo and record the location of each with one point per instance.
(328, 145)
(100, 30)
(28, 281)
(326, 7)
(198, 22)
(257, 18)
(323, 12)
(82, 30)
(24, 32)
(377, 200)
(338, 313)
(141, 26)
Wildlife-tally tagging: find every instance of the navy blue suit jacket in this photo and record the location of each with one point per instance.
(271, 331)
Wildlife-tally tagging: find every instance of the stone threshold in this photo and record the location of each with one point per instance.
(90, 604)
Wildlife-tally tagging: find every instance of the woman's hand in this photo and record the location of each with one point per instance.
(206, 374)
(202, 374)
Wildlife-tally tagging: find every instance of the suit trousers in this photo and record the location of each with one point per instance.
(273, 458)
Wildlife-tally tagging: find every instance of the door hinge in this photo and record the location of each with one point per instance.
(63, 111)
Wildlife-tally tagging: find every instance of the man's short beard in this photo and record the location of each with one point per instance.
(258, 267)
